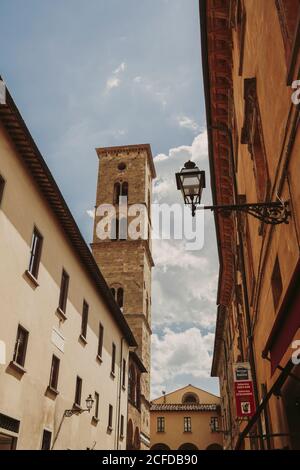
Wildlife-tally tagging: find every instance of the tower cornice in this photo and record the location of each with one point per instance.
(105, 151)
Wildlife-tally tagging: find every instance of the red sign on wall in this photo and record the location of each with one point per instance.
(243, 390)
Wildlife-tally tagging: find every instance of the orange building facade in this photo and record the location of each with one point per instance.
(182, 420)
(251, 63)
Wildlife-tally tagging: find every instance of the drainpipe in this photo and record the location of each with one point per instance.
(227, 387)
(228, 131)
(117, 433)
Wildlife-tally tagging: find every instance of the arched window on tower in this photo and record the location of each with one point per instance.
(124, 189)
(113, 291)
(120, 297)
(117, 192)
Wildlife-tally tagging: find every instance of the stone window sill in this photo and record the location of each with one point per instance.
(99, 359)
(61, 314)
(52, 390)
(109, 429)
(18, 367)
(31, 278)
(83, 339)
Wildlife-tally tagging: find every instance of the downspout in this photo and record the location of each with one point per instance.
(117, 433)
(227, 386)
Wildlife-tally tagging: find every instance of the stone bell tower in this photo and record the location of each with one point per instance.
(126, 264)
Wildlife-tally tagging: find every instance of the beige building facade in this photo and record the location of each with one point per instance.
(183, 420)
(126, 263)
(64, 337)
(251, 62)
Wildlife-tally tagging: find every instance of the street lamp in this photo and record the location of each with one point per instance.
(191, 182)
(77, 411)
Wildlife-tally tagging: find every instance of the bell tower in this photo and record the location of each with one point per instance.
(126, 263)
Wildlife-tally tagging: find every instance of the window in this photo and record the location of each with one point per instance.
(187, 424)
(96, 415)
(113, 291)
(120, 297)
(122, 427)
(78, 391)
(124, 374)
(120, 189)
(53, 382)
(46, 442)
(190, 398)
(100, 340)
(160, 424)
(252, 135)
(21, 346)
(64, 287)
(131, 385)
(241, 31)
(113, 359)
(84, 320)
(2, 184)
(276, 282)
(35, 253)
(110, 417)
(214, 423)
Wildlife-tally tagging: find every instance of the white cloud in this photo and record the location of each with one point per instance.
(137, 79)
(180, 354)
(113, 82)
(120, 68)
(188, 123)
(91, 213)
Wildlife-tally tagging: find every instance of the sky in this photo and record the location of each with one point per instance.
(116, 72)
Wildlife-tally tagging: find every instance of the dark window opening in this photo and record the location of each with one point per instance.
(46, 442)
(54, 373)
(64, 287)
(110, 417)
(122, 427)
(2, 184)
(113, 359)
(35, 253)
(84, 320)
(96, 415)
(276, 282)
(21, 346)
(124, 374)
(100, 339)
(78, 390)
(120, 297)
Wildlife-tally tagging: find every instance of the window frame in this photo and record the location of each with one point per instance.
(113, 359)
(78, 391)
(2, 188)
(84, 319)
(35, 252)
(187, 424)
(64, 291)
(54, 372)
(160, 424)
(110, 417)
(124, 366)
(44, 441)
(97, 400)
(100, 340)
(21, 329)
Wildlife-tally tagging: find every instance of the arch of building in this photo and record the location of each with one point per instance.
(190, 398)
(188, 446)
(214, 447)
(129, 442)
(160, 447)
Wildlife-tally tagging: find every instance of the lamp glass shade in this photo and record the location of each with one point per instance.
(191, 182)
(89, 402)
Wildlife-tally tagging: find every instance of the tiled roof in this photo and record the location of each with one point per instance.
(183, 407)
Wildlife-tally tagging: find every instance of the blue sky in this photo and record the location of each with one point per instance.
(114, 72)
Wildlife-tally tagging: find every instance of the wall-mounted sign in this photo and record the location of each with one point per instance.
(243, 390)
